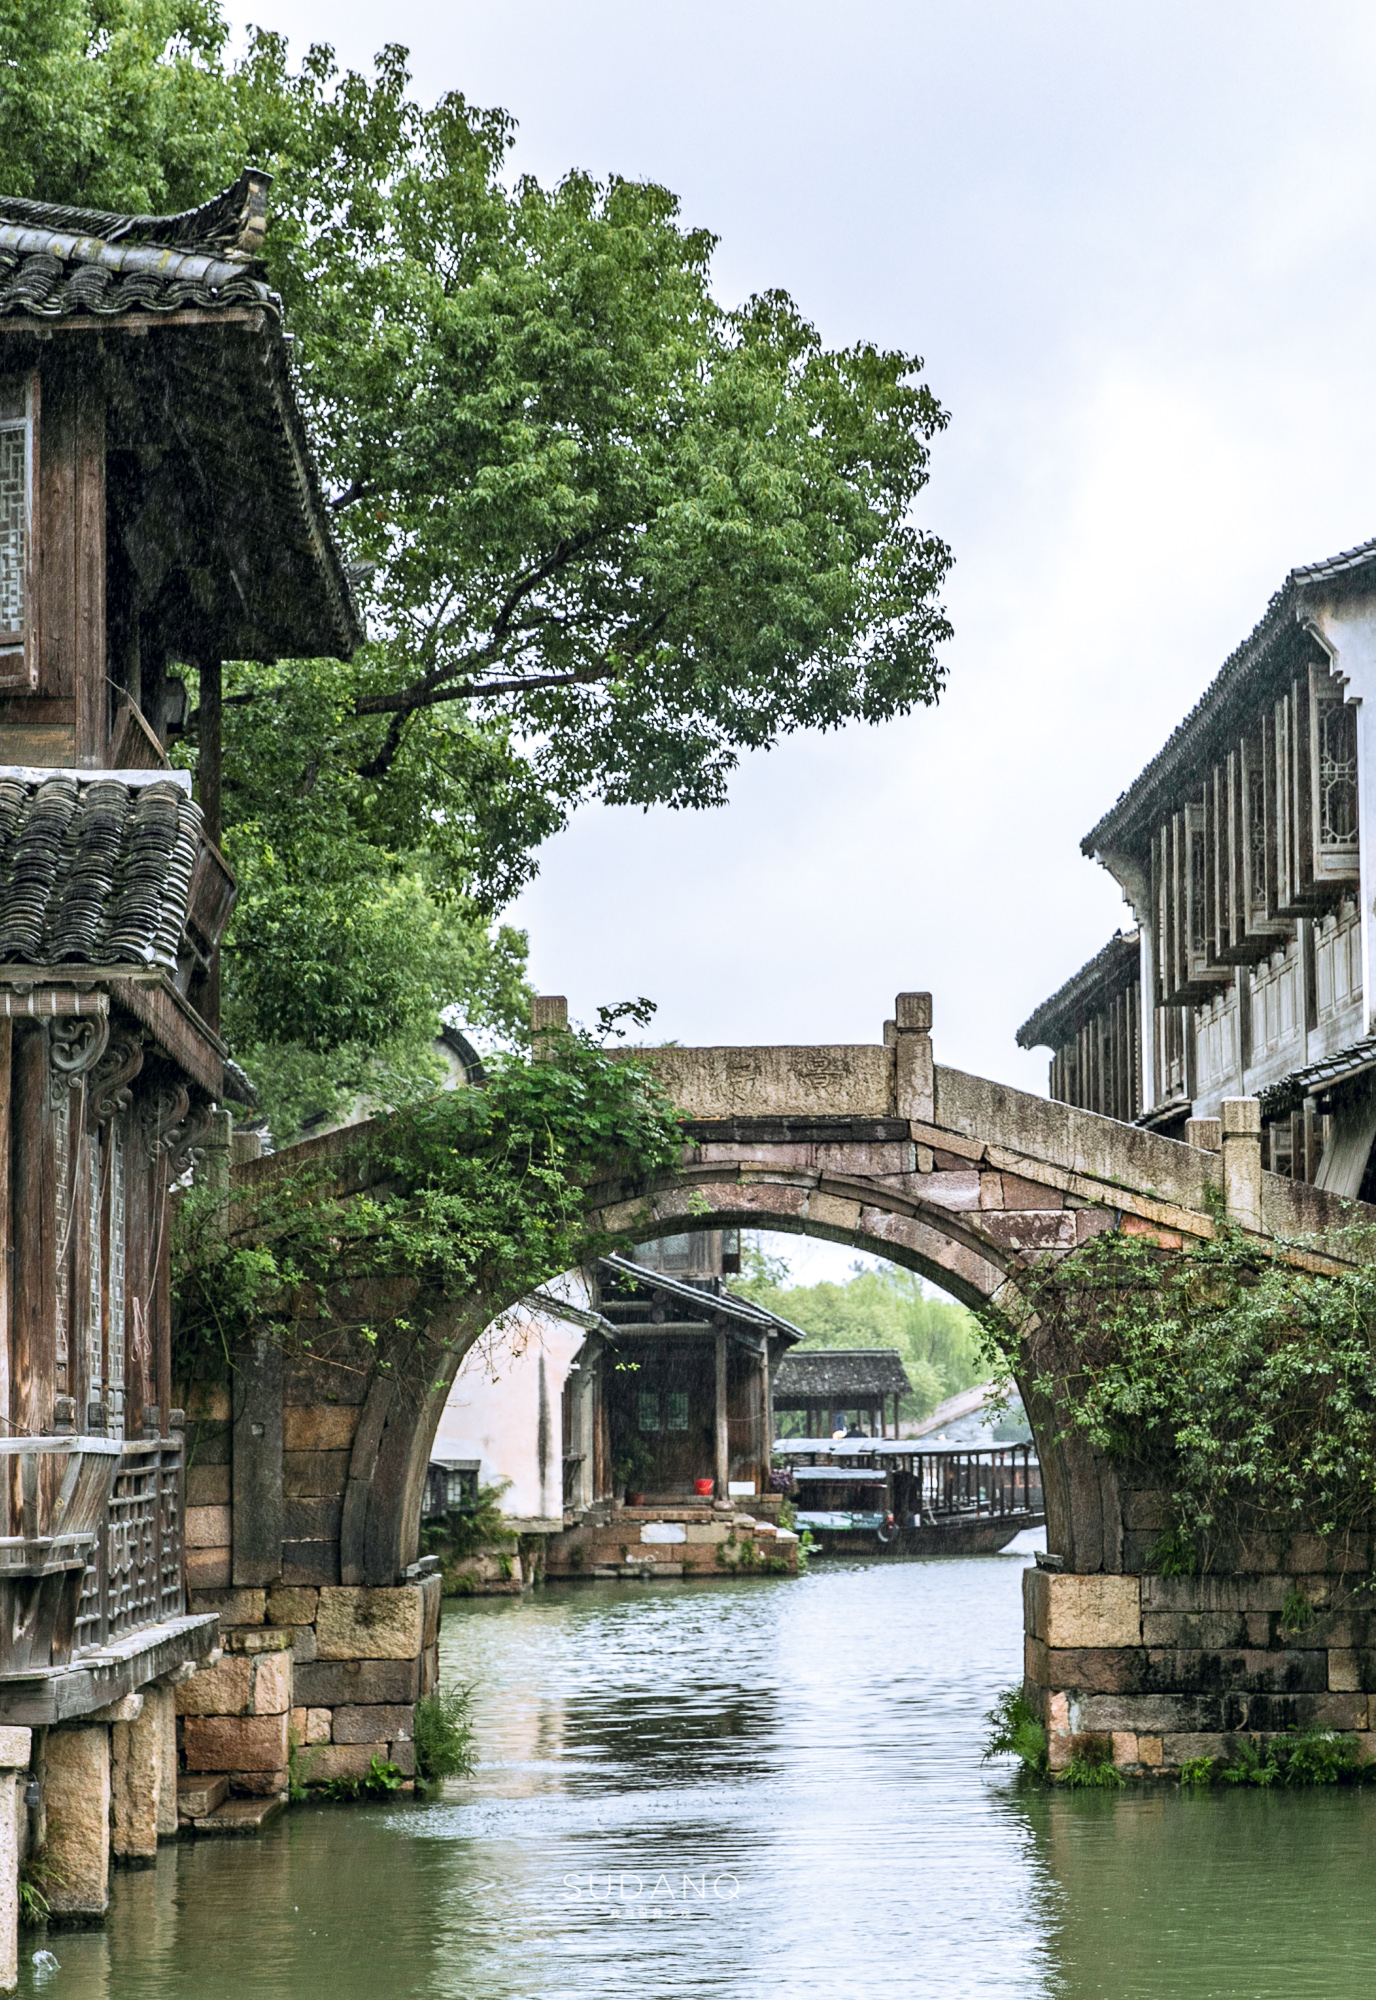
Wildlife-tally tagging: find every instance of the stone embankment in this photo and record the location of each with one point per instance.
(663, 1542)
(331, 1674)
(1166, 1670)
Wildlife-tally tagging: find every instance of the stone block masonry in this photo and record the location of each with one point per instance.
(705, 1543)
(1175, 1668)
(76, 1804)
(327, 1672)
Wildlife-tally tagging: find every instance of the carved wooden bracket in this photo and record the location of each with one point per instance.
(76, 1042)
(161, 1118)
(185, 1147)
(114, 1072)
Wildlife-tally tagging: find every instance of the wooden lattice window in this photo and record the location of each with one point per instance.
(18, 458)
(1269, 834)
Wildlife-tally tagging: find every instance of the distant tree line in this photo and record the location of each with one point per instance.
(888, 1307)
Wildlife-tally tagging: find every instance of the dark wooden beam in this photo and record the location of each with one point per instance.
(33, 1346)
(209, 789)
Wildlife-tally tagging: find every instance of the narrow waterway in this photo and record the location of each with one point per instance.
(751, 1791)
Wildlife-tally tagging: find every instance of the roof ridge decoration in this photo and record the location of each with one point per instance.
(232, 223)
(57, 260)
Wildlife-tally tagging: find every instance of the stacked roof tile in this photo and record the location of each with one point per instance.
(94, 871)
(56, 261)
(818, 1373)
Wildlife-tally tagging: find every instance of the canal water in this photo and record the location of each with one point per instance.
(754, 1790)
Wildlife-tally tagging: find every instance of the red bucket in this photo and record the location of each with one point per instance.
(704, 1487)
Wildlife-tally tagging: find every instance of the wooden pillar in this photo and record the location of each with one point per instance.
(162, 1312)
(33, 1345)
(767, 1391)
(90, 666)
(6, 1244)
(723, 1467)
(139, 1212)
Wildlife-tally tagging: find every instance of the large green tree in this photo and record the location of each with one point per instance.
(619, 532)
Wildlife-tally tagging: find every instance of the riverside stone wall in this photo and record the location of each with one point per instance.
(1167, 1669)
(309, 1663)
(669, 1541)
(333, 1673)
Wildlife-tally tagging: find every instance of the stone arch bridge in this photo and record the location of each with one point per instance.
(953, 1176)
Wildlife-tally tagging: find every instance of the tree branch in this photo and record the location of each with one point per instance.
(408, 700)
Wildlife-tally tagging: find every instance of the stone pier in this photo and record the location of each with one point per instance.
(1157, 1671)
(15, 1751)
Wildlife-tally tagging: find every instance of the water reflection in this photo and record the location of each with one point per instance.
(1220, 1896)
(739, 1789)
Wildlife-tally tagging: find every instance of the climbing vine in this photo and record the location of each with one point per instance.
(472, 1194)
(1244, 1386)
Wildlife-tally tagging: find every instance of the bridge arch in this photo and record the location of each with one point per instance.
(960, 1179)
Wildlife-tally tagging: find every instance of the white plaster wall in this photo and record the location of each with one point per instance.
(493, 1411)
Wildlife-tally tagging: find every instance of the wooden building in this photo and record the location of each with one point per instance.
(688, 1398)
(829, 1389)
(158, 511)
(1242, 849)
(1093, 1025)
(623, 1416)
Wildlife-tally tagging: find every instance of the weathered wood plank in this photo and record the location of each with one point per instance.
(92, 695)
(33, 1343)
(6, 1218)
(57, 540)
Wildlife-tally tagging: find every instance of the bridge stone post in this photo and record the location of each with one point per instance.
(1241, 1131)
(914, 1070)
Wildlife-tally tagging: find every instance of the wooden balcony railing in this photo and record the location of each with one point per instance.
(90, 1545)
(134, 1576)
(54, 1493)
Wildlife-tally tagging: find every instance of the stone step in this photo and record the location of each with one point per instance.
(198, 1796)
(637, 1569)
(239, 1816)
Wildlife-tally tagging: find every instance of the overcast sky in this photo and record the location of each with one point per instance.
(1135, 246)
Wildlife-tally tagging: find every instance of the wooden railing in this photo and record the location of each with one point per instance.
(134, 1577)
(976, 1484)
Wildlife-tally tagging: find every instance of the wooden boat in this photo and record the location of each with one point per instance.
(903, 1496)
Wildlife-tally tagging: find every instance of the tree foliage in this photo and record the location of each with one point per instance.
(939, 1341)
(1243, 1385)
(621, 532)
(474, 1196)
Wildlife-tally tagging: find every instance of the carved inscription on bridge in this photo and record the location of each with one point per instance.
(833, 1080)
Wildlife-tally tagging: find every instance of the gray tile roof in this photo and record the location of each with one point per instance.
(95, 871)
(820, 1372)
(1343, 1066)
(1273, 645)
(625, 1282)
(1059, 1019)
(216, 387)
(57, 261)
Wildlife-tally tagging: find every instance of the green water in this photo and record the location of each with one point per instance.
(751, 1791)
